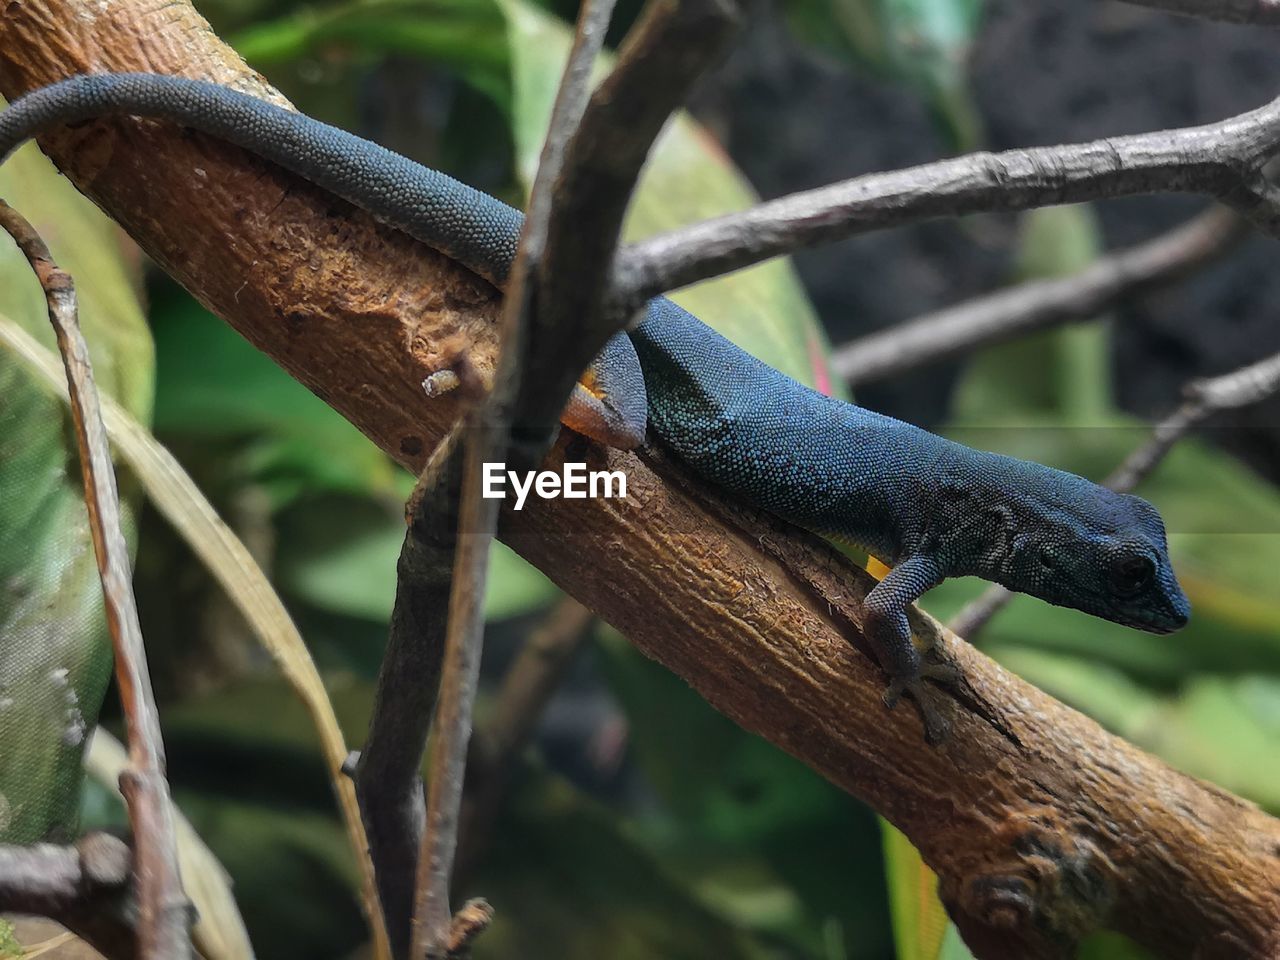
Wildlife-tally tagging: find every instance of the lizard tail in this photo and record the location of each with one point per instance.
(461, 222)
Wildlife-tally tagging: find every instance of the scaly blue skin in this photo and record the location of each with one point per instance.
(928, 507)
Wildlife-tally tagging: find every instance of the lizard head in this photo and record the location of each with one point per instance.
(1104, 553)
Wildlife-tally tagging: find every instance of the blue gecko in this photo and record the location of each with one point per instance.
(928, 507)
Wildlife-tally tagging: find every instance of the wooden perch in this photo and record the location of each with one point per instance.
(1040, 824)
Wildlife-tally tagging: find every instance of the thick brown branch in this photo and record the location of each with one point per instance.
(1026, 802)
(1222, 160)
(948, 333)
(163, 909)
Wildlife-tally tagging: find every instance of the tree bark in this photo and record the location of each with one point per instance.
(1040, 824)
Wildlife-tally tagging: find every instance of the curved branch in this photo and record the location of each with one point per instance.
(1021, 309)
(1221, 160)
(1264, 13)
(1039, 823)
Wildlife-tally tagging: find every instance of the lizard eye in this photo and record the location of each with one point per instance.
(1131, 575)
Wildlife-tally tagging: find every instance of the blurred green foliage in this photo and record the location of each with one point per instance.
(687, 837)
(9, 946)
(920, 43)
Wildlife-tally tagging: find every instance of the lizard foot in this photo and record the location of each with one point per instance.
(937, 728)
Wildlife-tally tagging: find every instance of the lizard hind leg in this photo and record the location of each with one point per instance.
(609, 402)
(888, 631)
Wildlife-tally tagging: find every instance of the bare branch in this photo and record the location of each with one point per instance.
(532, 679)
(527, 687)
(164, 913)
(665, 52)
(1204, 398)
(1261, 12)
(388, 774)
(488, 438)
(1019, 310)
(977, 613)
(1221, 160)
(84, 887)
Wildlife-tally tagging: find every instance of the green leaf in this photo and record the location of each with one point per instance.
(464, 35)
(1061, 372)
(56, 658)
(921, 928)
(688, 178)
(1219, 728)
(923, 43)
(339, 554)
(1111, 946)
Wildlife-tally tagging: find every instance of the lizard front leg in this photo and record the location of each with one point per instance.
(609, 402)
(886, 628)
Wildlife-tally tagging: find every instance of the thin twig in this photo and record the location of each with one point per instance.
(488, 438)
(164, 917)
(388, 775)
(977, 613)
(1019, 310)
(665, 52)
(1222, 160)
(219, 932)
(527, 687)
(84, 887)
(532, 679)
(468, 923)
(1203, 398)
(1260, 12)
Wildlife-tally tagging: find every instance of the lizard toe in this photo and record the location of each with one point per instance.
(944, 673)
(937, 727)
